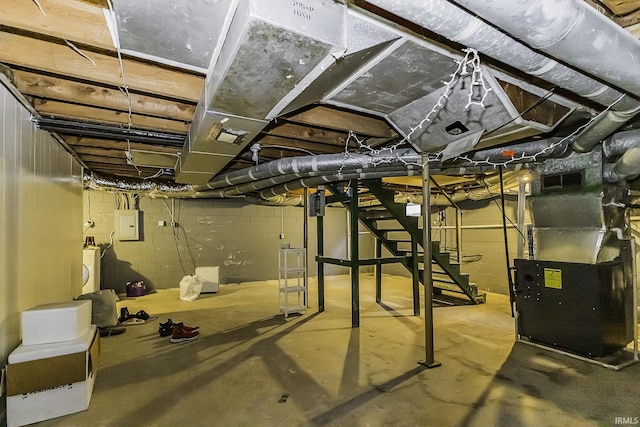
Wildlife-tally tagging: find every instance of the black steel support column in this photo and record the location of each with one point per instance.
(355, 266)
(378, 271)
(305, 238)
(415, 277)
(429, 361)
(320, 239)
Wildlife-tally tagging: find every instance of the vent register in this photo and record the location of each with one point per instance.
(265, 59)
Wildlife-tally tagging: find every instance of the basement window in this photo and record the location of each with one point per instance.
(565, 181)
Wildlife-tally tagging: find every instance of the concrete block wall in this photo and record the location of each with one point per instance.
(242, 239)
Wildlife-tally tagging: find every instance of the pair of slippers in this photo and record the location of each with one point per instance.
(127, 319)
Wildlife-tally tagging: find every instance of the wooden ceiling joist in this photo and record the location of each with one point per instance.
(118, 145)
(65, 19)
(331, 118)
(54, 88)
(61, 59)
(88, 158)
(301, 145)
(101, 152)
(307, 133)
(83, 112)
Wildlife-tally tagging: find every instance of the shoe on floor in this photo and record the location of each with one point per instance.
(187, 328)
(107, 332)
(166, 329)
(181, 335)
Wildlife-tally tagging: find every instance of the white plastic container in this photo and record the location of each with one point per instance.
(210, 278)
(46, 381)
(52, 323)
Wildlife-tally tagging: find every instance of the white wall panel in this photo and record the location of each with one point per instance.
(40, 220)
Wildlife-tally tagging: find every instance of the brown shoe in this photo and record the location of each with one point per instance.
(181, 335)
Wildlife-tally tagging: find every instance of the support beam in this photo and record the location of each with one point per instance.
(355, 266)
(429, 361)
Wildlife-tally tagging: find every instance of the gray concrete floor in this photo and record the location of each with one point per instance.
(248, 355)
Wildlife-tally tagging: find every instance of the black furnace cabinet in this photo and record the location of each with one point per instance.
(582, 308)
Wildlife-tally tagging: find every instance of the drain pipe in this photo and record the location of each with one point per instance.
(456, 24)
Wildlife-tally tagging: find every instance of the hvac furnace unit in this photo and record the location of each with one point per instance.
(575, 292)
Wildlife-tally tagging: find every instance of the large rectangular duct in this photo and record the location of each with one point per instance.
(270, 53)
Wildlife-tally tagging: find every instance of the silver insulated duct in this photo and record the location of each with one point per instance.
(454, 23)
(267, 54)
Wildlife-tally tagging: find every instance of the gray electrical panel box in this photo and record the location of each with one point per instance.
(126, 224)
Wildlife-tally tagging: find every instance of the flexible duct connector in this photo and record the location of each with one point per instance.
(301, 166)
(281, 176)
(600, 128)
(620, 142)
(628, 166)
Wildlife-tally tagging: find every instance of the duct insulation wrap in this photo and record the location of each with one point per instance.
(271, 51)
(572, 31)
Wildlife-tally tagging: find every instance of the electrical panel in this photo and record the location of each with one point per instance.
(126, 224)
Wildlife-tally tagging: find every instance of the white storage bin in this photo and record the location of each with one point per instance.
(51, 323)
(50, 380)
(210, 278)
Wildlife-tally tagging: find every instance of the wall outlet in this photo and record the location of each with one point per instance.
(162, 223)
(282, 236)
(174, 224)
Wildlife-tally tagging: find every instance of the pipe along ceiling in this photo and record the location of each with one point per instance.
(526, 36)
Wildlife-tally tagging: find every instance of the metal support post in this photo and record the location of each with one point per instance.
(522, 196)
(305, 232)
(415, 276)
(355, 265)
(378, 268)
(320, 239)
(459, 235)
(429, 361)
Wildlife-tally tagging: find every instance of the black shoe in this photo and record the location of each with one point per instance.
(124, 314)
(166, 329)
(107, 332)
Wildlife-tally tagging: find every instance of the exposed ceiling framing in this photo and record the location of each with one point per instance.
(61, 56)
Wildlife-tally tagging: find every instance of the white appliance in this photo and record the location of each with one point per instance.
(91, 261)
(210, 278)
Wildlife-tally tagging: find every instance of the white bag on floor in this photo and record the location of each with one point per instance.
(190, 287)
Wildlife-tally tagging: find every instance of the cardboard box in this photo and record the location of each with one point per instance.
(52, 323)
(46, 381)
